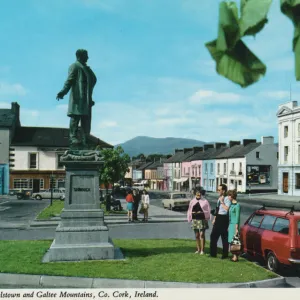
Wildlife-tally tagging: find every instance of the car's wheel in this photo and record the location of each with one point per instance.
(272, 262)
(61, 198)
(38, 197)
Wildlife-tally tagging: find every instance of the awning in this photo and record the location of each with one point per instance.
(180, 179)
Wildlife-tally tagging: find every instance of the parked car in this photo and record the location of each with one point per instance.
(57, 194)
(176, 200)
(23, 194)
(273, 234)
(138, 186)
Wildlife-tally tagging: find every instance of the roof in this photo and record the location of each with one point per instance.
(284, 213)
(238, 151)
(201, 155)
(185, 156)
(48, 137)
(174, 157)
(7, 117)
(145, 165)
(155, 165)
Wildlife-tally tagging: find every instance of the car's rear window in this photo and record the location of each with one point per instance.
(282, 225)
(268, 222)
(255, 221)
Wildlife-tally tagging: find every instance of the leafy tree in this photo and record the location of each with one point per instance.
(140, 156)
(115, 165)
(234, 60)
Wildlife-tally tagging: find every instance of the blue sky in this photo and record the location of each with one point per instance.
(155, 76)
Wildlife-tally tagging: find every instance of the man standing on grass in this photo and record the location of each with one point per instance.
(220, 223)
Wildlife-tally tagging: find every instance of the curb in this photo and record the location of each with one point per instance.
(83, 282)
(43, 223)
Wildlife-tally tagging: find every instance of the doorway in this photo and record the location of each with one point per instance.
(285, 182)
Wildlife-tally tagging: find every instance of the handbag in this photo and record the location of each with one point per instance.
(235, 245)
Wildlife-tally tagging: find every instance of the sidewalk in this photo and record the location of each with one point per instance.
(156, 215)
(38, 281)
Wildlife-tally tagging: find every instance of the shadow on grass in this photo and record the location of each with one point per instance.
(145, 252)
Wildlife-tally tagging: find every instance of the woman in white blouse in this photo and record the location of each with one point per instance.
(145, 203)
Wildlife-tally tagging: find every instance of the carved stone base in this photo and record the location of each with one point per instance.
(82, 233)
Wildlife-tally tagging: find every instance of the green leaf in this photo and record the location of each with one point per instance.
(228, 33)
(291, 8)
(239, 64)
(253, 16)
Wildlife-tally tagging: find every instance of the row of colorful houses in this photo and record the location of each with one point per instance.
(241, 165)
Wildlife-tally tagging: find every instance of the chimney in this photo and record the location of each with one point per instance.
(197, 149)
(207, 146)
(185, 150)
(233, 143)
(248, 141)
(15, 108)
(267, 140)
(220, 145)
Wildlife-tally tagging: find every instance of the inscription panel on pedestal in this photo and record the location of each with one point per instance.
(82, 189)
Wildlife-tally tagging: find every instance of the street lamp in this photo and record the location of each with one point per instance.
(52, 178)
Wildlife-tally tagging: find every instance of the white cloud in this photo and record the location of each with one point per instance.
(275, 94)
(5, 105)
(162, 112)
(226, 120)
(15, 89)
(63, 107)
(105, 124)
(212, 97)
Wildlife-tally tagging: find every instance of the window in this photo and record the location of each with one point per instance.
(286, 153)
(240, 182)
(59, 164)
(232, 168)
(32, 160)
(232, 181)
(24, 183)
(282, 226)
(218, 168)
(199, 171)
(277, 155)
(224, 168)
(257, 154)
(268, 222)
(297, 181)
(298, 129)
(206, 168)
(204, 182)
(255, 221)
(298, 154)
(225, 180)
(211, 168)
(286, 131)
(240, 167)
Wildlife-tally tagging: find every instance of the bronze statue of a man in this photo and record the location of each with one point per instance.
(81, 81)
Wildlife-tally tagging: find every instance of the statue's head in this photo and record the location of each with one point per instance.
(82, 55)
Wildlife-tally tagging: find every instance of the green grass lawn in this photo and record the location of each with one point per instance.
(57, 206)
(163, 260)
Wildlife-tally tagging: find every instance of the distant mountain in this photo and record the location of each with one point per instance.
(149, 145)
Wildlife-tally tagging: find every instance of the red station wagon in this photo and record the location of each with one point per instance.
(273, 233)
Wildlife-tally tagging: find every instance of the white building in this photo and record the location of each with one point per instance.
(249, 163)
(289, 148)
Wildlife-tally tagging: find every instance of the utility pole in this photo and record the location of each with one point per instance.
(51, 186)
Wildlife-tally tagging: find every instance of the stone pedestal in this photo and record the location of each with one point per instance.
(81, 234)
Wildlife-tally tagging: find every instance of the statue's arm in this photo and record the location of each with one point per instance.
(69, 82)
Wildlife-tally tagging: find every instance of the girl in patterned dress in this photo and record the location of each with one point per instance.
(199, 214)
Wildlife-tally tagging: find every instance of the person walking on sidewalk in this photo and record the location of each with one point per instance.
(129, 200)
(136, 202)
(145, 205)
(199, 214)
(234, 220)
(220, 223)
